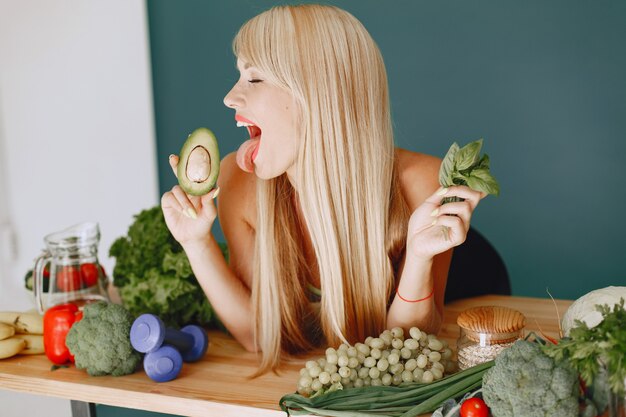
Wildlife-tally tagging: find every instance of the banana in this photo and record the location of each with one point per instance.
(11, 347)
(29, 323)
(34, 344)
(6, 331)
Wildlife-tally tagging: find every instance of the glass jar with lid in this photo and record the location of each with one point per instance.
(485, 332)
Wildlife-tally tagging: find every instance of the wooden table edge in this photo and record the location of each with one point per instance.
(155, 402)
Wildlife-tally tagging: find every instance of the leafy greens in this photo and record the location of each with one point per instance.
(465, 166)
(153, 274)
(588, 349)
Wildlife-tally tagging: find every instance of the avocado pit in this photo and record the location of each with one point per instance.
(198, 165)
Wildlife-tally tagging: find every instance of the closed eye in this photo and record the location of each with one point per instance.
(255, 80)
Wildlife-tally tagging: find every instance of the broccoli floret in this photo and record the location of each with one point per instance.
(526, 382)
(100, 341)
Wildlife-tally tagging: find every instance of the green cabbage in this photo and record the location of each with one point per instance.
(584, 308)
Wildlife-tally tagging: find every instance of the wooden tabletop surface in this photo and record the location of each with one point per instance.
(218, 385)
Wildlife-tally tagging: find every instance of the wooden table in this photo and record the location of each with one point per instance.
(218, 385)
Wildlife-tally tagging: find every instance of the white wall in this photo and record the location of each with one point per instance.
(76, 136)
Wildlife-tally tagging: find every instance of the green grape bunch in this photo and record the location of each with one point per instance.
(390, 359)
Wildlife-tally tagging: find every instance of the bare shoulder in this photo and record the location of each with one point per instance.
(419, 175)
(237, 198)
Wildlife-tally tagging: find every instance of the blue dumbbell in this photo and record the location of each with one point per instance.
(163, 364)
(148, 333)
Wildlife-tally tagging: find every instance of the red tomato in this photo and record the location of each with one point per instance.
(474, 407)
(89, 274)
(68, 278)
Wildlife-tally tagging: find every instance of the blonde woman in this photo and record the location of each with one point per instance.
(318, 205)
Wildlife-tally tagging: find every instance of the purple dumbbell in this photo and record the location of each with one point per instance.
(163, 364)
(148, 333)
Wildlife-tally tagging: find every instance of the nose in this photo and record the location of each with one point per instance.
(233, 99)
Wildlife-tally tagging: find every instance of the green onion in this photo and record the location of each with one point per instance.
(406, 400)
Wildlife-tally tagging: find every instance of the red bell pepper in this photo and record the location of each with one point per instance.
(57, 322)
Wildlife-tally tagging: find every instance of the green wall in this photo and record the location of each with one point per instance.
(543, 82)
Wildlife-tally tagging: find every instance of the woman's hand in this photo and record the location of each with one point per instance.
(189, 218)
(434, 227)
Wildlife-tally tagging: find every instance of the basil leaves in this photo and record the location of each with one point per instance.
(465, 166)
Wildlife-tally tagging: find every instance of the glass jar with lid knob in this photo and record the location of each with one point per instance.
(485, 332)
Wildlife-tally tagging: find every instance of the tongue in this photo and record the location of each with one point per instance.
(246, 153)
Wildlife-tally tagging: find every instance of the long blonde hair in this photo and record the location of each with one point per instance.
(347, 183)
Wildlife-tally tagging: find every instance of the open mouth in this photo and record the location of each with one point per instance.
(253, 130)
(248, 151)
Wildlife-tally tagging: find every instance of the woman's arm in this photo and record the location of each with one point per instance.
(226, 287)
(417, 281)
(228, 295)
(433, 231)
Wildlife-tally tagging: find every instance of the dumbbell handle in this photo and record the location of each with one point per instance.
(179, 339)
(148, 333)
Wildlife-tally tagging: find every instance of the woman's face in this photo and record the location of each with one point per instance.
(269, 114)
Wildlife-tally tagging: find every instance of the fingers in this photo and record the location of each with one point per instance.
(466, 193)
(461, 209)
(214, 193)
(452, 228)
(446, 226)
(187, 206)
(168, 201)
(460, 191)
(173, 160)
(190, 206)
(441, 235)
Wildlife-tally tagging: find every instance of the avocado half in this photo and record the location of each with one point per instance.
(199, 162)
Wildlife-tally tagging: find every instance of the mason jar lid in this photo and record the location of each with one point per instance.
(491, 324)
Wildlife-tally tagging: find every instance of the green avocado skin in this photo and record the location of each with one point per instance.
(205, 138)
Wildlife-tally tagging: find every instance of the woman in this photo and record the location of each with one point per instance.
(318, 197)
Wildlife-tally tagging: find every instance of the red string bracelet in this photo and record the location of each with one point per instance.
(415, 301)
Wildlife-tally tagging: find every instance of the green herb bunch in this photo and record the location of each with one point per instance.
(153, 274)
(407, 400)
(465, 166)
(589, 349)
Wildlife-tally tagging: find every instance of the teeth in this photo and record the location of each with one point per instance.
(242, 124)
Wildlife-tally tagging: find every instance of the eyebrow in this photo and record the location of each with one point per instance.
(246, 65)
